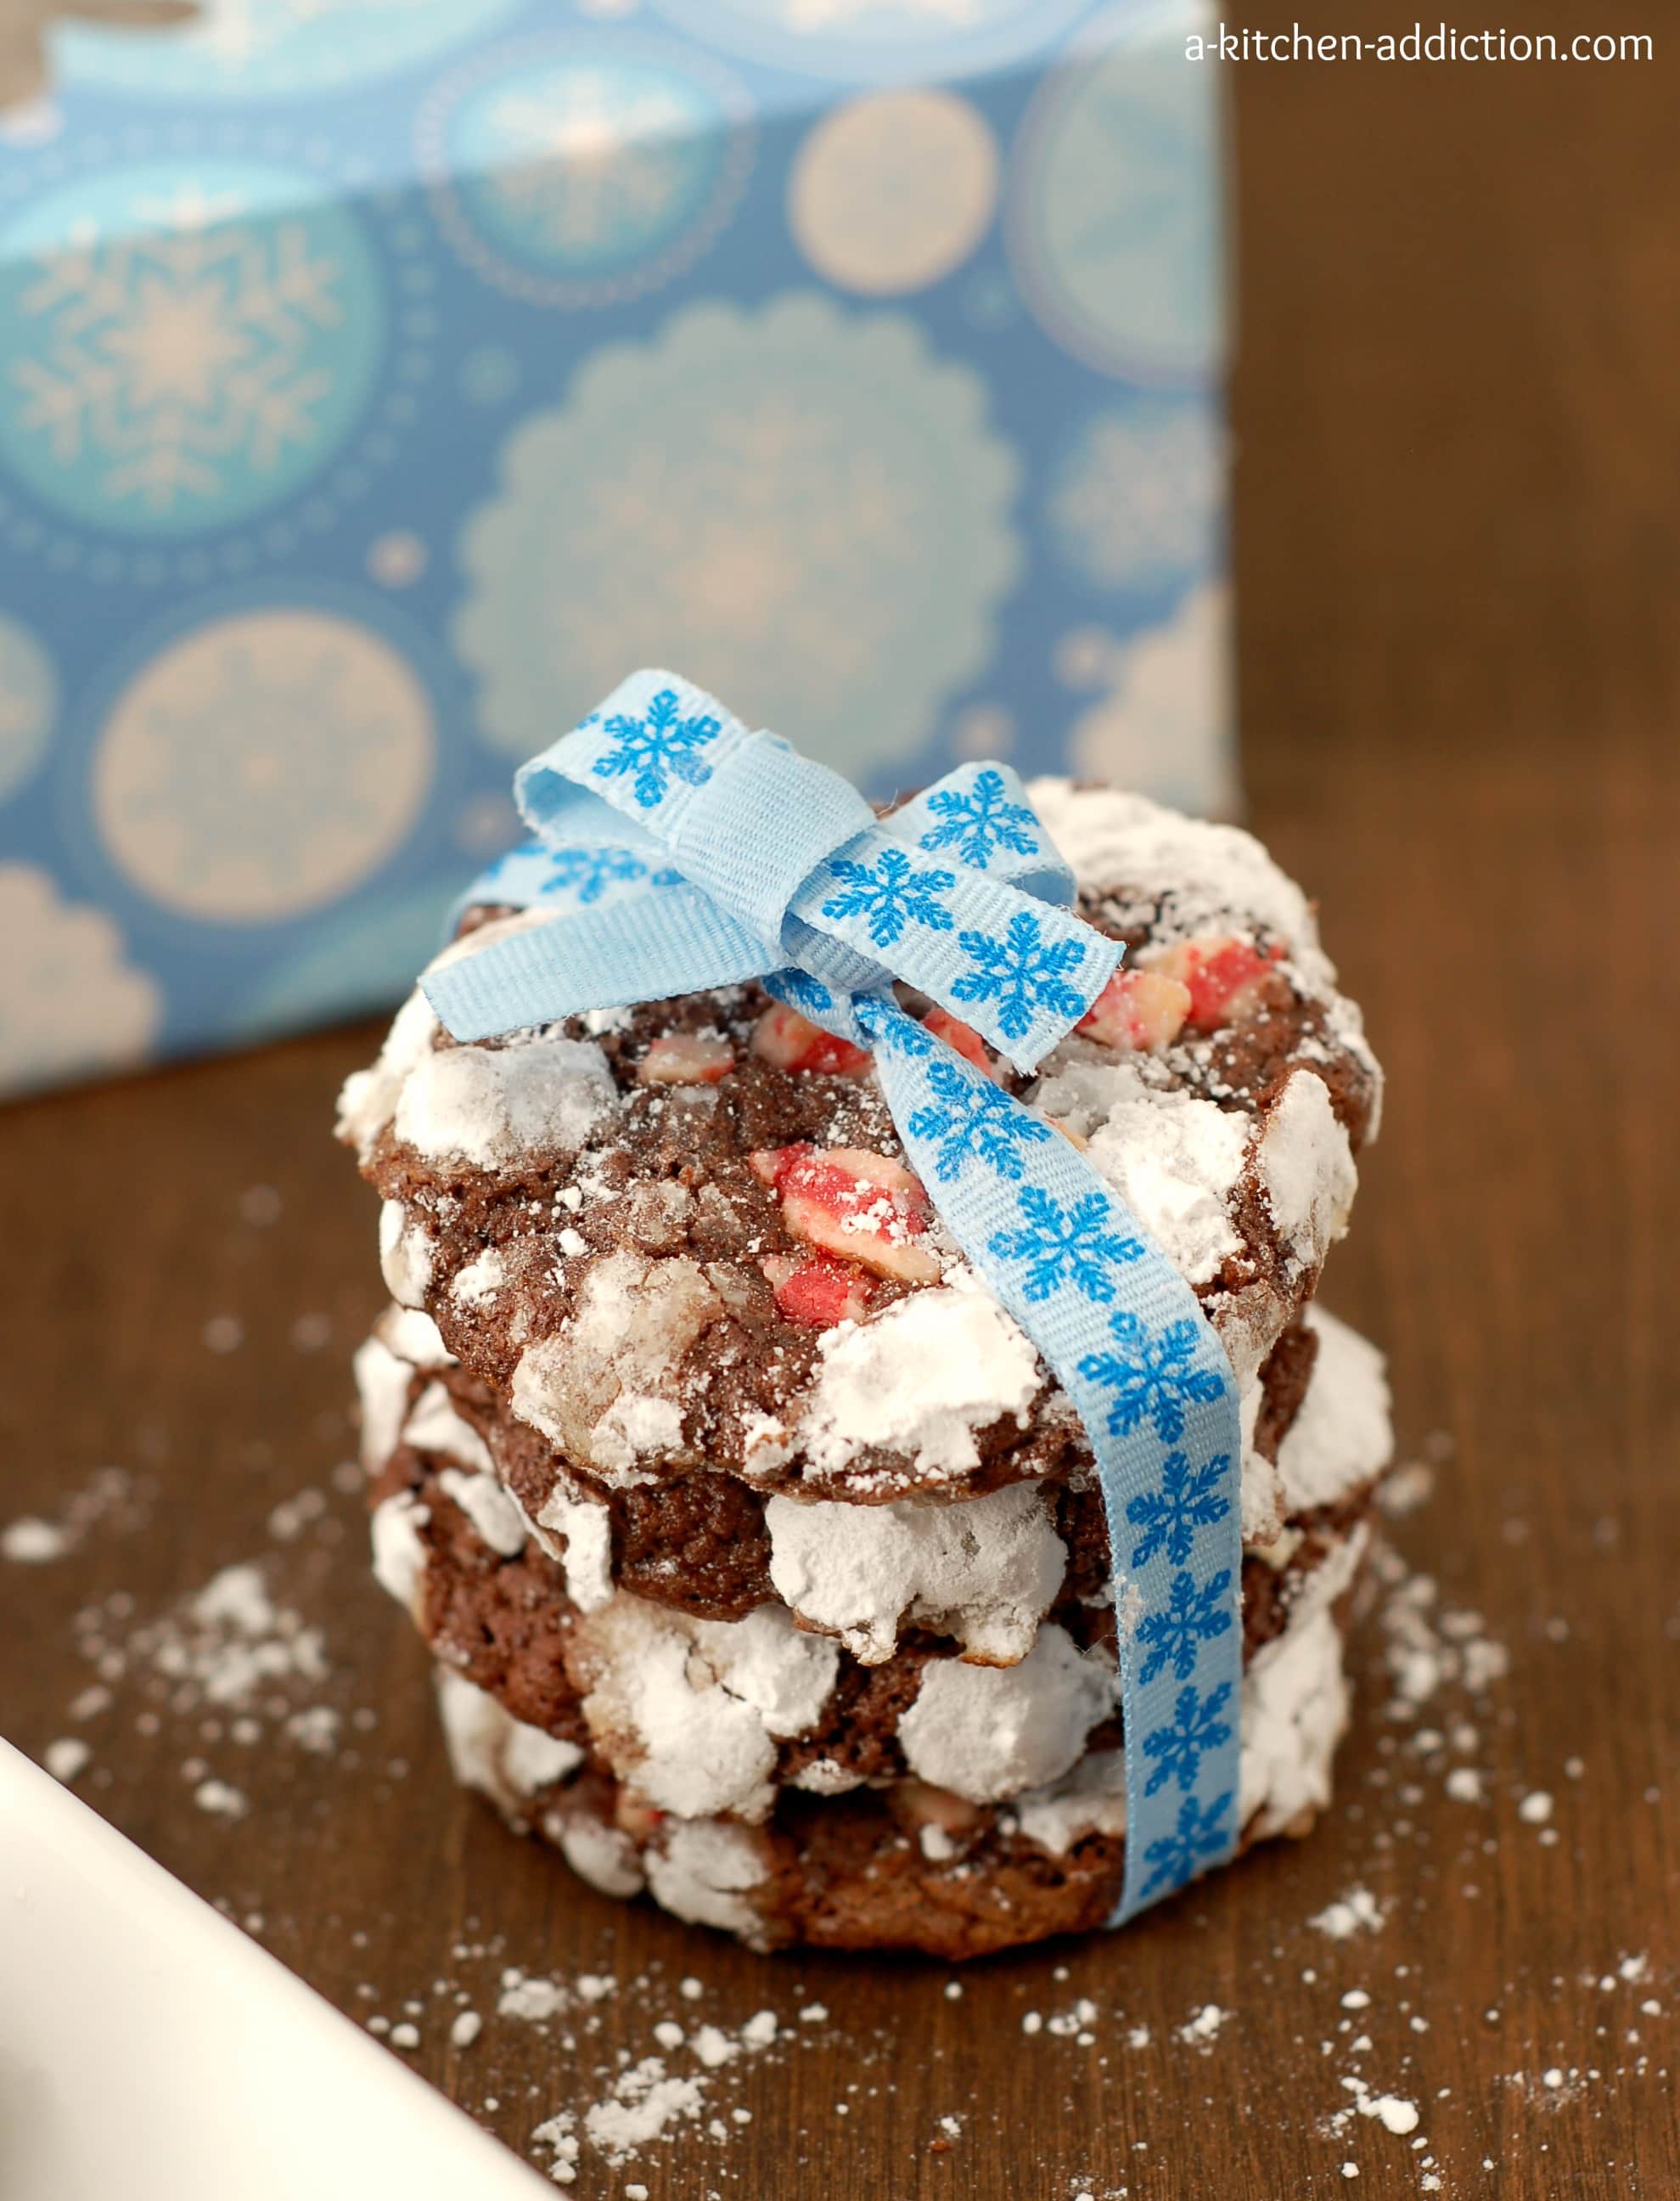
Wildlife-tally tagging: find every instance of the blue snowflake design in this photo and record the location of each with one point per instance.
(1023, 973)
(658, 748)
(979, 823)
(1074, 1245)
(897, 1033)
(890, 896)
(809, 995)
(1178, 1746)
(1152, 1378)
(1187, 1500)
(588, 872)
(976, 1119)
(1199, 1837)
(1190, 1618)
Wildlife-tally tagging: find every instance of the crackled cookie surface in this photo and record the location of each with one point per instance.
(982, 1572)
(680, 1240)
(759, 1775)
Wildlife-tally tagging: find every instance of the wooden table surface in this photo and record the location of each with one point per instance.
(1459, 429)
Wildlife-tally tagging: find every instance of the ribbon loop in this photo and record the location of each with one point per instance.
(980, 814)
(758, 830)
(963, 896)
(675, 851)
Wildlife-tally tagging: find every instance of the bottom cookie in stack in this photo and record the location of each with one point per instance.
(755, 1775)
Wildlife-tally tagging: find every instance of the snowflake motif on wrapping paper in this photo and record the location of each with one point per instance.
(1023, 973)
(1072, 1245)
(1152, 1378)
(890, 896)
(1179, 1746)
(335, 756)
(1191, 1618)
(976, 1117)
(979, 823)
(1199, 1835)
(588, 872)
(658, 748)
(1187, 1500)
(184, 367)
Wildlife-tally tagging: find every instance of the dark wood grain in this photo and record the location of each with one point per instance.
(1459, 427)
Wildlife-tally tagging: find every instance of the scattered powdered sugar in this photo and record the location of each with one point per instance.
(557, 2135)
(34, 1542)
(644, 2101)
(233, 1665)
(110, 1497)
(1392, 2111)
(221, 1800)
(1202, 2027)
(222, 1646)
(67, 1758)
(654, 2097)
(1357, 1911)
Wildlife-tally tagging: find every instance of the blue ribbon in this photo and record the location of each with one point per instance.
(686, 852)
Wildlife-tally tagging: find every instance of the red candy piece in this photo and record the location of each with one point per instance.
(963, 1037)
(1226, 979)
(685, 1058)
(818, 1290)
(857, 1205)
(1137, 1011)
(792, 1042)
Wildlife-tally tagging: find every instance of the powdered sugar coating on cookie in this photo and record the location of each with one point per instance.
(606, 1250)
(983, 1573)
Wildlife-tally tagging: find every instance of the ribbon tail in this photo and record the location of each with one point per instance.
(672, 940)
(1125, 1337)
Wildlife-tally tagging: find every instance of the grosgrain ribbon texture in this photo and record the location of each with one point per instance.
(680, 851)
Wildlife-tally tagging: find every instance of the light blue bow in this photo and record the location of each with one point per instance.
(683, 852)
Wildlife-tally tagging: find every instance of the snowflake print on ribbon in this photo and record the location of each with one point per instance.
(1151, 1378)
(982, 821)
(975, 1118)
(890, 896)
(1185, 1502)
(1179, 1746)
(1073, 1245)
(896, 1032)
(1022, 973)
(1191, 1618)
(800, 991)
(1199, 1834)
(658, 747)
(588, 872)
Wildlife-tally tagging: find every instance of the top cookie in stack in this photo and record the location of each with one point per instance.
(703, 1331)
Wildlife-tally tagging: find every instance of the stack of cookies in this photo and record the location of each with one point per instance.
(761, 1560)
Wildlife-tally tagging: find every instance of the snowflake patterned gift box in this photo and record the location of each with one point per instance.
(380, 376)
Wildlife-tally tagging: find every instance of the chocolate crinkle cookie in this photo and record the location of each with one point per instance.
(760, 1556)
